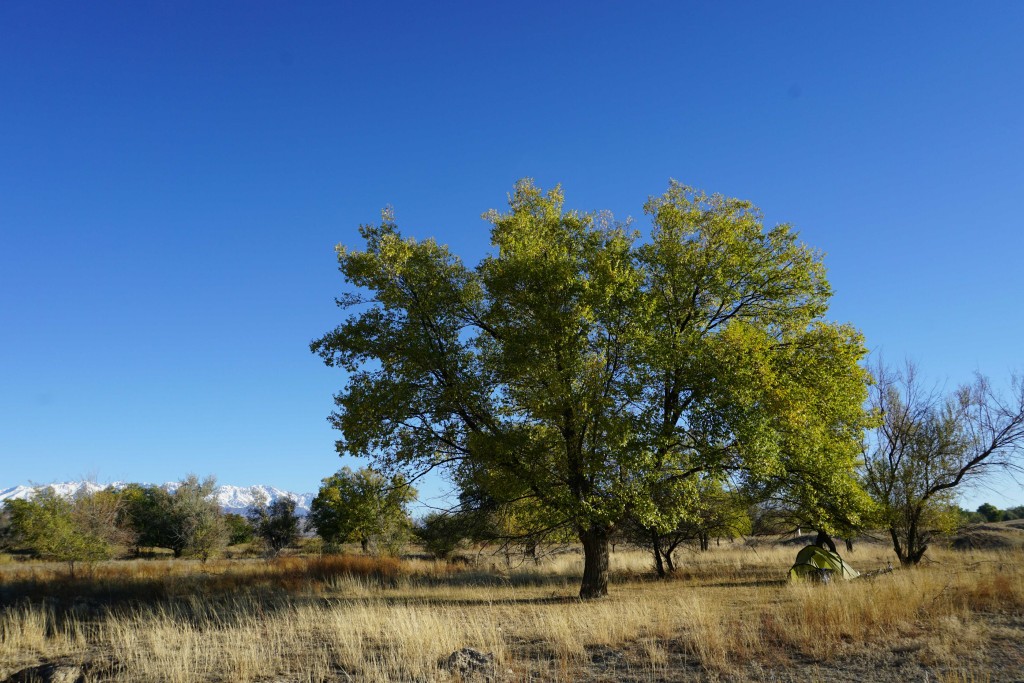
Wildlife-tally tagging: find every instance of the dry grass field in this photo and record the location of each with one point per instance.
(729, 614)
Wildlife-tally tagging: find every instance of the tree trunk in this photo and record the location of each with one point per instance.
(849, 544)
(896, 546)
(531, 551)
(912, 552)
(659, 566)
(596, 551)
(670, 555)
(825, 541)
(669, 562)
(365, 543)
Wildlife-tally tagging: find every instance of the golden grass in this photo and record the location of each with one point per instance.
(313, 619)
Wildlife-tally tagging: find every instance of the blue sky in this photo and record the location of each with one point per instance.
(174, 177)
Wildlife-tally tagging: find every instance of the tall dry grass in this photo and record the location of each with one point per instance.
(319, 619)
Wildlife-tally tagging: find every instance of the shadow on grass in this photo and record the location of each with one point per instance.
(755, 583)
(414, 601)
(269, 585)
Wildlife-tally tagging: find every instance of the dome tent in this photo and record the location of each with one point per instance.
(818, 564)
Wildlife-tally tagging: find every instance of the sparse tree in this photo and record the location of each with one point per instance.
(275, 524)
(196, 521)
(100, 514)
(928, 445)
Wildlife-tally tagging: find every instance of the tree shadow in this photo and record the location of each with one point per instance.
(756, 583)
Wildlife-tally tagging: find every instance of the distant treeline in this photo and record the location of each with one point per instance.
(987, 512)
(131, 519)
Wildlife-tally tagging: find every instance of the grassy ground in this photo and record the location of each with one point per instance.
(729, 614)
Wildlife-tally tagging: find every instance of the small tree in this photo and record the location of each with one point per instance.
(441, 533)
(928, 445)
(61, 529)
(144, 511)
(100, 515)
(276, 524)
(363, 506)
(711, 511)
(195, 520)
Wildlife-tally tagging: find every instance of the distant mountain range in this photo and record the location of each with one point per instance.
(238, 499)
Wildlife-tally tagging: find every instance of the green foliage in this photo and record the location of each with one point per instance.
(990, 512)
(240, 531)
(194, 520)
(708, 511)
(7, 532)
(363, 506)
(987, 512)
(970, 517)
(276, 524)
(441, 533)
(595, 375)
(82, 529)
(188, 522)
(144, 511)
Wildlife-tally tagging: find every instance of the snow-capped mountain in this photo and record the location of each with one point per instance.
(237, 499)
(241, 498)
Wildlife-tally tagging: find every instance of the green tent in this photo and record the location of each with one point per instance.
(817, 564)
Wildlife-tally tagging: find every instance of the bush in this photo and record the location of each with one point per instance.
(239, 529)
(80, 529)
(441, 534)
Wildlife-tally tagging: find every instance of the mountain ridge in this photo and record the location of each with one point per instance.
(236, 499)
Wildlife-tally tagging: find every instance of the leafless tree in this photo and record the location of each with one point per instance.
(928, 444)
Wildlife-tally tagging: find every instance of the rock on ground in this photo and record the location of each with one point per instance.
(468, 661)
(48, 673)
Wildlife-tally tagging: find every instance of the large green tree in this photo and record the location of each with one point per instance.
(581, 368)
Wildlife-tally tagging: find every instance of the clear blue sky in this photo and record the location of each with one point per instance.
(174, 177)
